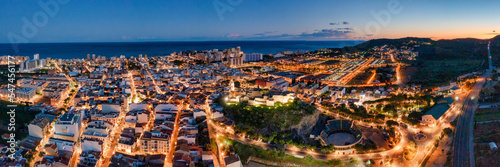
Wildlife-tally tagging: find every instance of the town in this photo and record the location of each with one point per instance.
(327, 107)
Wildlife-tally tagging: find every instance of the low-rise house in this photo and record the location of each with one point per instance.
(51, 149)
(39, 126)
(89, 158)
(233, 161)
(321, 89)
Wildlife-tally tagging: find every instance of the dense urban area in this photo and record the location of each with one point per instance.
(385, 102)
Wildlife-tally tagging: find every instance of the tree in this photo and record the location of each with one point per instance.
(447, 131)
(309, 159)
(380, 117)
(468, 85)
(379, 107)
(391, 123)
(178, 62)
(414, 118)
(237, 84)
(335, 162)
(327, 149)
(390, 108)
(41, 154)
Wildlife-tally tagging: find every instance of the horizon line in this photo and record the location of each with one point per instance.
(178, 41)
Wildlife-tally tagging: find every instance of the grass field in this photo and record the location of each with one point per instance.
(487, 114)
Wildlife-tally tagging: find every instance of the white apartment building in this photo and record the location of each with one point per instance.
(25, 94)
(68, 127)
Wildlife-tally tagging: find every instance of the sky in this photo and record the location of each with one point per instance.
(218, 20)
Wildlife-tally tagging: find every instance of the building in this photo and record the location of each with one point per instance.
(434, 116)
(67, 127)
(278, 55)
(249, 57)
(233, 161)
(127, 141)
(154, 142)
(272, 82)
(89, 158)
(96, 135)
(37, 85)
(235, 61)
(311, 89)
(30, 65)
(89, 144)
(340, 91)
(321, 89)
(25, 94)
(111, 108)
(270, 98)
(51, 149)
(447, 87)
(39, 126)
(342, 134)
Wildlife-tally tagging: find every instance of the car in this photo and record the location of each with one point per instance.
(403, 125)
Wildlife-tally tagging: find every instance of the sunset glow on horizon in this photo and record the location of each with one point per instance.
(219, 20)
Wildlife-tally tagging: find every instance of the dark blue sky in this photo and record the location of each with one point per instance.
(185, 20)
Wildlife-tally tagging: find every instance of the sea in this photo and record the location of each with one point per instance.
(109, 49)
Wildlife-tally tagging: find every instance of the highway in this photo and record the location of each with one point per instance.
(463, 151)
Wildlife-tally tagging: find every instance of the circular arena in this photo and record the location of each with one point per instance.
(342, 134)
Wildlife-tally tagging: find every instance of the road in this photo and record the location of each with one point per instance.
(463, 151)
(76, 154)
(296, 151)
(154, 82)
(317, 154)
(212, 134)
(173, 139)
(109, 148)
(395, 153)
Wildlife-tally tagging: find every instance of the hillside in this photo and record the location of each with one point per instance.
(438, 61)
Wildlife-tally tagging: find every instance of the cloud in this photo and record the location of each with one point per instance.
(264, 33)
(323, 34)
(327, 33)
(336, 33)
(340, 23)
(233, 35)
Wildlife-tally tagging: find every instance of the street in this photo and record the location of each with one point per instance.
(463, 151)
